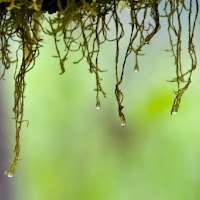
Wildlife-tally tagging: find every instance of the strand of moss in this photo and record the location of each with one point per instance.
(29, 45)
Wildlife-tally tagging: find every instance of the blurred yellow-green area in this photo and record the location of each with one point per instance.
(71, 151)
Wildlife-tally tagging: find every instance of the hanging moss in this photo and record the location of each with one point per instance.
(21, 22)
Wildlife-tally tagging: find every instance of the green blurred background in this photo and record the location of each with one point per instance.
(71, 151)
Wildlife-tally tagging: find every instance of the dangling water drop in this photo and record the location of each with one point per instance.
(136, 68)
(174, 112)
(123, 121)
(74, 43)
(98, 106)
(9, 174)
(123, 124)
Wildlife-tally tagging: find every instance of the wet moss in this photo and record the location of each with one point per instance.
(21, 22)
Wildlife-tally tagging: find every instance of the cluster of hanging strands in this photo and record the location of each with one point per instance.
(174, 12)
(21, 21)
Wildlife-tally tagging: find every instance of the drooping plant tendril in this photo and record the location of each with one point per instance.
(183, 78)
(29, 46)
(93, 19)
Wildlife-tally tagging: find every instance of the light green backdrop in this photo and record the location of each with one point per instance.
(71, 151)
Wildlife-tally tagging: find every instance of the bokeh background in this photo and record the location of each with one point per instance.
(71, 151)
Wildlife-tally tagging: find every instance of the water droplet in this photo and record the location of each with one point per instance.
(123, 124)
(136, 68)
(123, 121)
(9, 174)
(74, 43)
(174, 112)
(98, 106)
